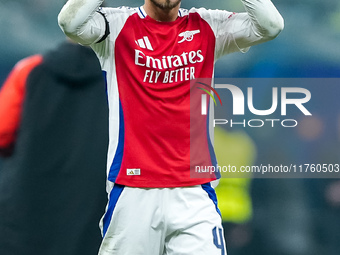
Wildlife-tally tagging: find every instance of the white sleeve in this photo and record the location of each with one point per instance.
(79, 20)
(238, 31)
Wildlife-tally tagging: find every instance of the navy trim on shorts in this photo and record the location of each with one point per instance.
(212, 195)
(114, 196)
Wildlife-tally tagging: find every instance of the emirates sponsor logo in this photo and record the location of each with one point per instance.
(169, 69)
(186, 58)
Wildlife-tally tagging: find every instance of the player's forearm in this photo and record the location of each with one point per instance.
(74, 16)
(265, 18)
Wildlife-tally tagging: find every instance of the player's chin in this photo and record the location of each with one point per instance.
(166, 4)
(173, 4)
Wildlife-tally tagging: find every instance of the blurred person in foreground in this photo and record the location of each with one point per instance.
(54, 136)
(150, 54)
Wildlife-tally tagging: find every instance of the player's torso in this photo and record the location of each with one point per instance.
(154, 64)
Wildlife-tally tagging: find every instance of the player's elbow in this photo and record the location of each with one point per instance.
(272, 27)
(65, 23)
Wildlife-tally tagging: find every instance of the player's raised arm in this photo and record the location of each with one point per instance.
(265, 20)
(79, 20)
(238, 31)
(260, 23)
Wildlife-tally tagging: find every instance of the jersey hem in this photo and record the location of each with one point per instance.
(166, 184)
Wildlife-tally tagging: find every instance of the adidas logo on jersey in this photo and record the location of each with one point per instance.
(144, 43)
(188, 35)
(132, 171)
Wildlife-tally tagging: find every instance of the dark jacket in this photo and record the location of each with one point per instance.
(52, 188)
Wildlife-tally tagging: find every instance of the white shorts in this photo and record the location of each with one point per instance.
(171, 221)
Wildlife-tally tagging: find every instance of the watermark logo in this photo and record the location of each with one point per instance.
(239, 100)
(204, 99)
(281, 99)
(265, 127)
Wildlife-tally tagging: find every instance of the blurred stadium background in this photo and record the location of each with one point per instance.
(287, 216)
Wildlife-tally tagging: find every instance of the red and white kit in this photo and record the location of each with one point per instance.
(148, 66)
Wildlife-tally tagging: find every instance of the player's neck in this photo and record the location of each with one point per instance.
(159, 14)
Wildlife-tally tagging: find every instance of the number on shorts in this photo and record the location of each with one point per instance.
(219, 242)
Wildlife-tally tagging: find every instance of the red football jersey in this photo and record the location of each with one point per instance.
(149, 66)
